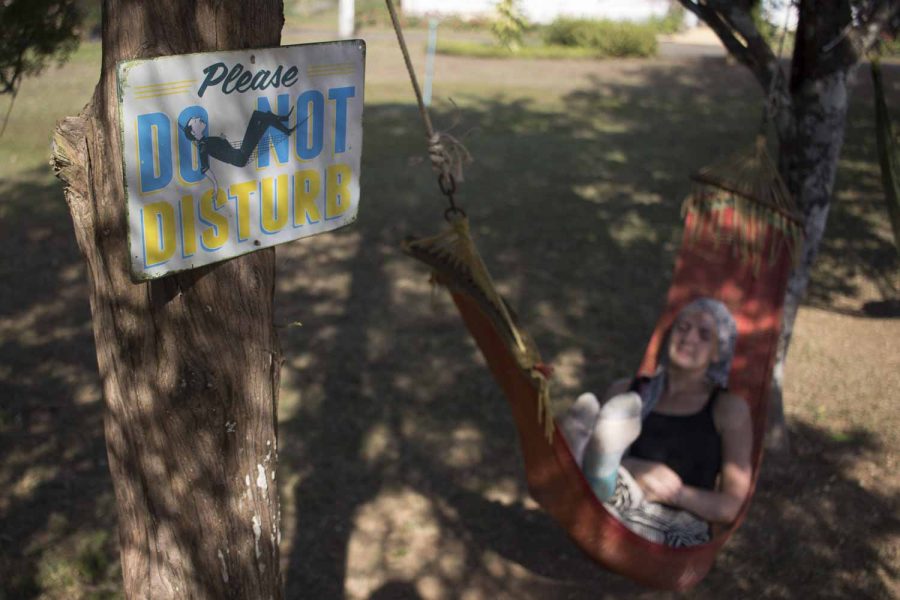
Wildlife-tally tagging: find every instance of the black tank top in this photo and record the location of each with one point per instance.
(687, 444)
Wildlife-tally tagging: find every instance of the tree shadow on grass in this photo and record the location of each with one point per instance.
(576, 211)
(55, 524)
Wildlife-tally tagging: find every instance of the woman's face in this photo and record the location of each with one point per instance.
(197, 127)
(693, 343)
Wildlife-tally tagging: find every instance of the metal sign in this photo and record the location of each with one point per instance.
(229, 152)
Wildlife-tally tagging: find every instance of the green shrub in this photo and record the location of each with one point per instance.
(890, 46)
(671, 22)
(481, 50)
(608, 38)
(509, 27)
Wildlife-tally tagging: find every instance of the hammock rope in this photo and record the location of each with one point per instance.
(456, 248)
(749, 183)
(446, 152)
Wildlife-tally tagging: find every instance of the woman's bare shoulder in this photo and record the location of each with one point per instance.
(731, 412)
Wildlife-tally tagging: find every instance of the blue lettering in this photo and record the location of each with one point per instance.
(279, 141)
(310, 104)
(154, 151)
(340, 96)
(187, 150)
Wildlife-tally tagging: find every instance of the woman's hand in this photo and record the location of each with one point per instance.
(658, 482)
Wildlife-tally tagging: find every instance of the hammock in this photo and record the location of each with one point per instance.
(739, 237)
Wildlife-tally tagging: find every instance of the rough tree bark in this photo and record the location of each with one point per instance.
(809, 114)
(189, 363)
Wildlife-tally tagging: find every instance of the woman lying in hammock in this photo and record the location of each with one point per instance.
(688, 464)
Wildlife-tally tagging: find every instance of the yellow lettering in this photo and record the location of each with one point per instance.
(307, 184)
(337, 192)
(241, 193)
(215, 236)
(158, 224)
(188, 225)
(274, 203)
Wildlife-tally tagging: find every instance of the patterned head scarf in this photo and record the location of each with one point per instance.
(717, 372)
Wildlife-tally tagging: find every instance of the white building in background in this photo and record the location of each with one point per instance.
(542, 11)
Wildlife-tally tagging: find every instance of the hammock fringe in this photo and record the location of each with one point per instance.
(748, 187)
(456, 263)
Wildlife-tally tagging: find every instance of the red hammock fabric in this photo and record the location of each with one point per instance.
(708, 265)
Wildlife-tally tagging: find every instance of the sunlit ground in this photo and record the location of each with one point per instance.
(400, 470)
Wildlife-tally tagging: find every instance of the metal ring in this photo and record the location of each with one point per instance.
(452, 184)
(454, 211)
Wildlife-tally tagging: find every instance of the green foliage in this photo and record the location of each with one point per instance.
(510, 26)
(481, 50)
(671, 22)
(770, 31)
(91, 14)
(607, 38)
(84, 562)
(889, 45)
(33, 34)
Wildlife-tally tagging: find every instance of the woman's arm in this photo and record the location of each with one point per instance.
(658, 482)
(732, 418)
(662, 484)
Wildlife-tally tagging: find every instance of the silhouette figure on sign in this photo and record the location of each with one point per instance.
(239, 154)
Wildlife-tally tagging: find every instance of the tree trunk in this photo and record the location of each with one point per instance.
(189, 363)
(809, 160)
(811, 136)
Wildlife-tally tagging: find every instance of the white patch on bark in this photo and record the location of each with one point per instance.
(224, 567)
(261, 482)
(257, 532)
(273, 475)
(247, 480)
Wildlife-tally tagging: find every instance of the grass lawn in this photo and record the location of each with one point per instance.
(400, 471)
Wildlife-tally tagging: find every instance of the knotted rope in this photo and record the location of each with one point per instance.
(447, 154)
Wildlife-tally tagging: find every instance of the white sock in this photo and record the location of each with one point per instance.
(578, 423)
(618, 425)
